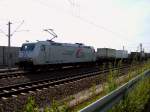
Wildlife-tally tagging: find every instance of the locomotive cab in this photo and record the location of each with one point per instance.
(26, 55)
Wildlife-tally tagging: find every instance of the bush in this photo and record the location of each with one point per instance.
(136, 99)
(31, 105)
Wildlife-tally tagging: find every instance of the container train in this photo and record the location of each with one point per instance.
(50, 54)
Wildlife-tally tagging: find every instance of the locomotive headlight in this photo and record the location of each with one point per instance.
(30, 59)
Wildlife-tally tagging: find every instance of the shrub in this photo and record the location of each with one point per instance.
(136, 99)
(31, 105)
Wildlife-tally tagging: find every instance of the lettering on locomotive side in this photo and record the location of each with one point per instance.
(68, 52)
(80, 53)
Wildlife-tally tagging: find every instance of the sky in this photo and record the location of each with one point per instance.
(98, 23)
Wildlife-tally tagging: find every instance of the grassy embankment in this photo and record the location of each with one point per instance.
(112, 82)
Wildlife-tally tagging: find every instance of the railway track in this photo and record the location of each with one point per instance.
(18, 73)
(12, 74)
(16, 89)
(15, 72)
(23, 77)
(8, 70)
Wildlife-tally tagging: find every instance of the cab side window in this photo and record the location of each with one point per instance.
(43, 48)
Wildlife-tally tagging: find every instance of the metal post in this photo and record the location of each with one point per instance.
(141, 47)
(9, 37)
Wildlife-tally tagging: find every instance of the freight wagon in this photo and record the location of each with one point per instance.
(4, 55)
(137, 56)
(50, 54)
(121, 54)
(105, 55)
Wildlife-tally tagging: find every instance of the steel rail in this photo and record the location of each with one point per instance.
(16, 72)
(32, 86)
(8, 70)
(12, 74)
(27, 73)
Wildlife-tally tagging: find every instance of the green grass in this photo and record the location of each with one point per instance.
(111, 82)
(108, 86)
(136, 99)
(87, 102)
(31, 106)
(112, 85)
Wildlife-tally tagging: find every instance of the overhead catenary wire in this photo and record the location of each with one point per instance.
(9, 35)
(100, 26)
(18, 27)
(85, 20)
(71, 2)
(23, 31)
(1, 31)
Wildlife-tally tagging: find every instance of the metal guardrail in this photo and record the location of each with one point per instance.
(107, 102)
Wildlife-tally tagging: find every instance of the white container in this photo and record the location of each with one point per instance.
(106, 53)
(121, 54)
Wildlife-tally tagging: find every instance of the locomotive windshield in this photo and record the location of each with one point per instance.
(28, 47)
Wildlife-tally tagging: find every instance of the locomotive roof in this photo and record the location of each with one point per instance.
(59, 44)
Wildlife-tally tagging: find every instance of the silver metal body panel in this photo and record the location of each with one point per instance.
(58, 53)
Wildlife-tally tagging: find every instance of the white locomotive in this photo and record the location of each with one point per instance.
(49, 53)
